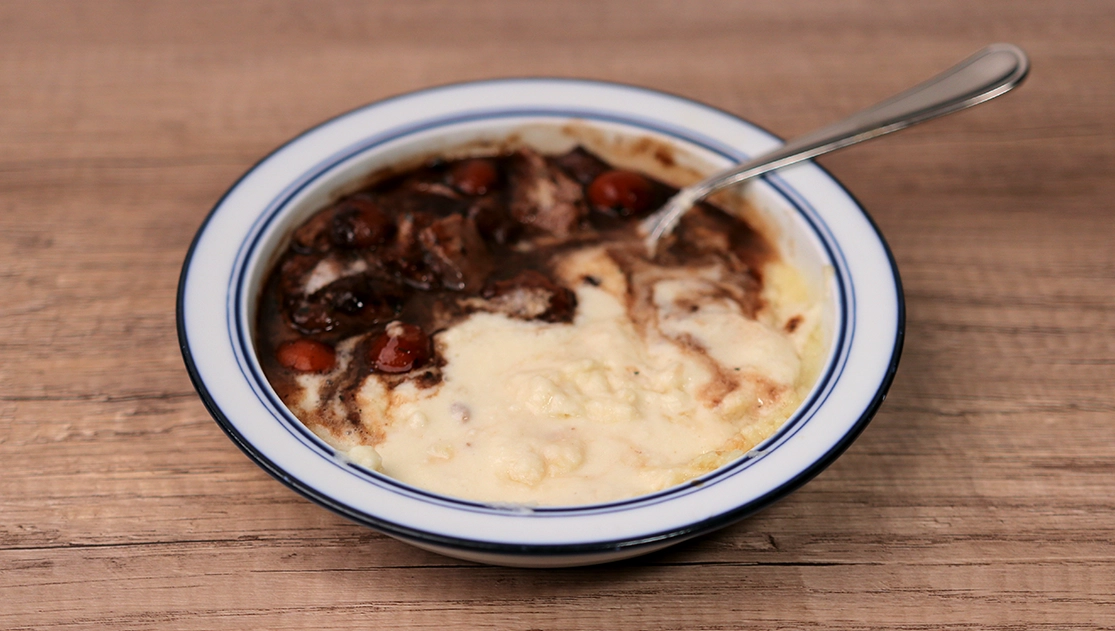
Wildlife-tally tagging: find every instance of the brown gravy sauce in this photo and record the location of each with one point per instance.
(432, 245)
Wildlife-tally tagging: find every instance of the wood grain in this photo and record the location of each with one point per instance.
(981, 497)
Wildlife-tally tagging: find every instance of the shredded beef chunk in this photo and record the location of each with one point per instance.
(352, 302)
(405, 258)
(456, 253)
(494, 222)
(530, 295)
(544, 196)
(379, 273)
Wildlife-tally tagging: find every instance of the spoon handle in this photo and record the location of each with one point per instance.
(985, 75)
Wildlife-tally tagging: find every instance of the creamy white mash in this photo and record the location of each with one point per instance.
(604, 408)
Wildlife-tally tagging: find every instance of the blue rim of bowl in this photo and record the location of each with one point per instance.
(407, 533)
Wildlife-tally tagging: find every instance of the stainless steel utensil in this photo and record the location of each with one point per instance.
(985, 75)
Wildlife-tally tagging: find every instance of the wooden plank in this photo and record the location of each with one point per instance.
(979, 498)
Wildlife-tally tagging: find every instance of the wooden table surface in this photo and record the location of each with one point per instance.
(982, 496)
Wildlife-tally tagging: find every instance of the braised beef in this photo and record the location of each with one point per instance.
(543, 196)
(493, 221)
(405, 258)
(456, 253)
(429, 198)
(530, 295)
(352, 301)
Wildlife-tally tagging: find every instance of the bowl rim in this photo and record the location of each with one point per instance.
(649, 539)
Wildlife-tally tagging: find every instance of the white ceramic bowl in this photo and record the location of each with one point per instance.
(817, 224)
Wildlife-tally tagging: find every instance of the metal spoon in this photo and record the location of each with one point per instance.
(985, 75)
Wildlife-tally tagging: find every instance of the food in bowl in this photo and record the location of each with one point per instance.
(491, 328)
(811, 220)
